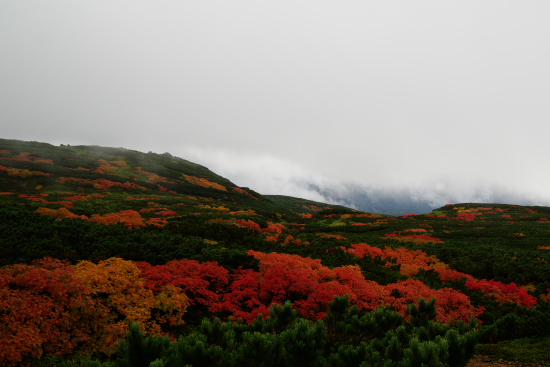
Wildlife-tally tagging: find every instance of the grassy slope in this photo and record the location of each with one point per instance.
(305, 206)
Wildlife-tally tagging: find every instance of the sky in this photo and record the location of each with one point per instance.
(449, 100)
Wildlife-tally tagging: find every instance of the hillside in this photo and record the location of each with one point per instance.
(158, 240)
(305, 206)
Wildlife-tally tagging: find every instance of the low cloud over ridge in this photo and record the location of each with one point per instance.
(273, 176)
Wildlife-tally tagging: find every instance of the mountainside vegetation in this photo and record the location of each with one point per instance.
(113, 257)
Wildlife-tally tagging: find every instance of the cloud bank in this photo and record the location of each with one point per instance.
(270, 175)
(437, 101)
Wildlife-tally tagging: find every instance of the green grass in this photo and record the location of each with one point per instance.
(437, 213)
(337, 223)
(525, 350)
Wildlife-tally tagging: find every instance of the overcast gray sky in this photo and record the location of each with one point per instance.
(445, 96)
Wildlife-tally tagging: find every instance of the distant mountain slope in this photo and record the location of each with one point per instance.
(375, 200)
(152, 170)
(39, 169)
(414, 199)
(307, 206)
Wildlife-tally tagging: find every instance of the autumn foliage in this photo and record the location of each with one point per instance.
(101, 183)
(412, 261)
(416, 238)
(117, 292)
(62, 213)
(124, 298)
(43, 311)
(312, 286)
(502, 293)
(203, 283)
(129, 218)
(205, 182)
(239, 268)
(51, 307)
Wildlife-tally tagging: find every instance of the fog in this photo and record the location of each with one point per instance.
(437, 101)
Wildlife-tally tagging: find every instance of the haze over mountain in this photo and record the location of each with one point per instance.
(269, 175)
(402, 104)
